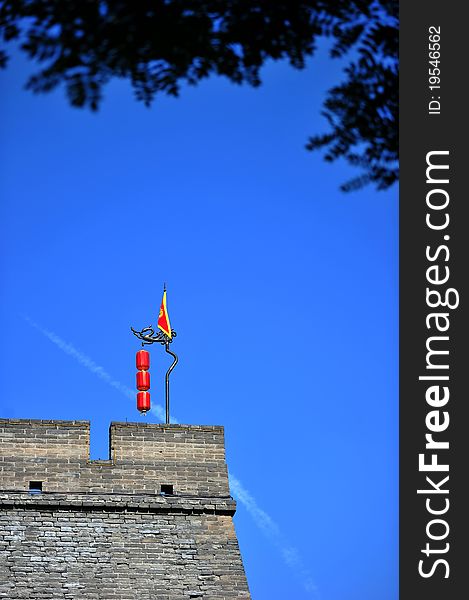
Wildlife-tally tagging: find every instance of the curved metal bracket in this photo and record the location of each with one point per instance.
(147, 335)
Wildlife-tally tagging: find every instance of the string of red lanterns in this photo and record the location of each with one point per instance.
(164, 336)
(143, 381)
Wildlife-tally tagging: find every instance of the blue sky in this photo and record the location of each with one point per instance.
(282, 289)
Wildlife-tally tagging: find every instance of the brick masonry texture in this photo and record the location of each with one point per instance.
(101, 529)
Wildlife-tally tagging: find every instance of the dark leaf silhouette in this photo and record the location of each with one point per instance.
(160, 44)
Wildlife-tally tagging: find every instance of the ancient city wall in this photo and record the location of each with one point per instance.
(104, 529)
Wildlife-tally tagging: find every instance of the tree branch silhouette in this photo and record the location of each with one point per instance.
(160, 44)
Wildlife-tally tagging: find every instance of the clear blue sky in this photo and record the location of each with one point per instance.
(282, 289)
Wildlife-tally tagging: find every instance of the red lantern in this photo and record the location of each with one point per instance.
(143, 360)
(143, 401)
(143, 381)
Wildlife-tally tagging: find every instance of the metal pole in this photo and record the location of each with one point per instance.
(168, 373)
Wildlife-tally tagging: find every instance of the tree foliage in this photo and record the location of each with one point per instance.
(160, 44)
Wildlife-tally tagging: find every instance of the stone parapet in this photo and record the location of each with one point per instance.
(142, 458)
(153, 522)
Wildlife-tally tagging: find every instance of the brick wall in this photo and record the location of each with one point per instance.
(142, 457)
(101, 529)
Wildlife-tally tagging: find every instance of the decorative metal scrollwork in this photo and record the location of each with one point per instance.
(147, 336)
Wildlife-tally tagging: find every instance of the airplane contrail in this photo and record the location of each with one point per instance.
(93, 367)
(264, 522)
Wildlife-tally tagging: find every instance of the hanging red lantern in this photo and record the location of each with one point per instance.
(143, 402)
(143, 360)
(143, 381)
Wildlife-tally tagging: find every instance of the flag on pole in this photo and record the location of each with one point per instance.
(163, 318)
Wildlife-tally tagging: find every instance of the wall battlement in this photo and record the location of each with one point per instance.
(142, 458)
(110, 529)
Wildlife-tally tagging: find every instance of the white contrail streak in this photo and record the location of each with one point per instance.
(271, 530)
(88, 363)
(262, 520)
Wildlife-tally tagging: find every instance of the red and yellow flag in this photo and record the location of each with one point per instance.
(163, 318)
